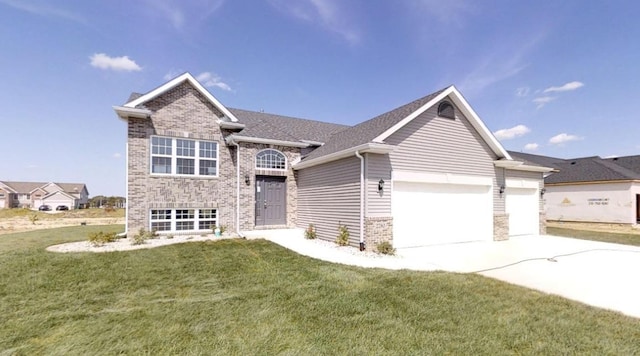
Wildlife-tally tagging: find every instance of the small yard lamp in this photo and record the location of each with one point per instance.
(380, 185)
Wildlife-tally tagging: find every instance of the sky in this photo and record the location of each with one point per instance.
(555, 78)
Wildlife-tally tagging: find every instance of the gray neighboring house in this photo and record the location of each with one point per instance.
(34, 194)
(591, 189)
(428, 172)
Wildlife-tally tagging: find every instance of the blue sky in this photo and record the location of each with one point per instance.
(557, 78)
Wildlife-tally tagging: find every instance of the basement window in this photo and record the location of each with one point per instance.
(183, 220)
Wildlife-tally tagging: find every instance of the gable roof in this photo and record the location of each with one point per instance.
(135, 104)
(28, 187)
(376, 130)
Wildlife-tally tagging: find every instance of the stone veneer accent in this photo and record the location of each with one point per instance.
(183, 112)
(500, 227)
(543, 223)
(377, 230)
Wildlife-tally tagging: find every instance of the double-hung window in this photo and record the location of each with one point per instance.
(177, 156)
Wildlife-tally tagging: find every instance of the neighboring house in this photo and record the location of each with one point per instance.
(591, 188)
(33, 194)
(427, 172)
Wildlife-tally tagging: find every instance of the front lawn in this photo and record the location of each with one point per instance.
(253, 297)
(618, 238)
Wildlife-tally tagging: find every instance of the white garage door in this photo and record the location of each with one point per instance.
(426, 214)
(1, 203)
(522, 206)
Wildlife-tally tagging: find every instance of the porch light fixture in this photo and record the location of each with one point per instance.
(247, 180)
(542, 191)
(501, 189)
(380, 185)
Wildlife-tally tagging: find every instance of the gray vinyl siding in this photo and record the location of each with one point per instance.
(328, 194)
(432, 144)
(378, 204)
(529, 175)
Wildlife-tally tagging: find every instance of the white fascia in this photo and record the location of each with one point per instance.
(126, 112)
(175, 82)
(466, 109)
(236, 138)
(231, 125)
(370, 147)
(520, 166)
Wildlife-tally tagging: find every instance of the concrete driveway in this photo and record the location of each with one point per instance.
(595, 273)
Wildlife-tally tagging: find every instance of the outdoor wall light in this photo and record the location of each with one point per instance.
(542, 191)
(380, 185)
(501, 189)
(247, 180)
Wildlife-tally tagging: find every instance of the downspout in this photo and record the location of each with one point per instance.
(362, 246)
(237, 186)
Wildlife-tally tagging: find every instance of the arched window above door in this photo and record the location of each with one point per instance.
(271, 159)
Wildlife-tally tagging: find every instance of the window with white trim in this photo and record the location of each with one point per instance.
(178, 156)
(183, 219)
(271, 159)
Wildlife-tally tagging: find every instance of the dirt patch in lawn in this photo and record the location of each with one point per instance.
(21, 220)
(601, 227)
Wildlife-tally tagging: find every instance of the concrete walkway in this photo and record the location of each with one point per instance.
(595, 273)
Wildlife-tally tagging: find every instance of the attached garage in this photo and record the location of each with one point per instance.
(438, 213)
(522, 205)
(59, 198)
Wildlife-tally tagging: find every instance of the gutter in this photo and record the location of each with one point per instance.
(236, 138)
(231, 141)
(125, 113)
(370, 147)
(362, 191)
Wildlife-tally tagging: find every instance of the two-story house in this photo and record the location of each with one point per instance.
(427, 172)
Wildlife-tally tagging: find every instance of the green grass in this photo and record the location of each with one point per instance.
(626, 239)
(254, 297)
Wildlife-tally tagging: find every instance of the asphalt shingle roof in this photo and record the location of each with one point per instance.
(26, 187)
(629, 162)
(366, 131)
(535, 160)
(284, 128)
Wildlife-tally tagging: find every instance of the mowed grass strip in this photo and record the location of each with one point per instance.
(254, 297)
(613, 237)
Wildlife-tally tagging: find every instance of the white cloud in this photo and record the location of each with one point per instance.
(516, 131)
(522, 92)
(563, 138)
(102, 61)
(179, 13)
(44, 10)
(450, 12)
(117, 155)
(566, 87)
(329, 14)
(172, 74)
(543, 100)
(209, 79)
(531, 147)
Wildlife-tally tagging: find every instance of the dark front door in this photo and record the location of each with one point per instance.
(638, 208)
(271, 201)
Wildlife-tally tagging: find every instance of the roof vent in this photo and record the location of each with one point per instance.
(574, 162)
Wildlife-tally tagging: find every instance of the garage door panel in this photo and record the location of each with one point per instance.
(522, 205)
(427, 214)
